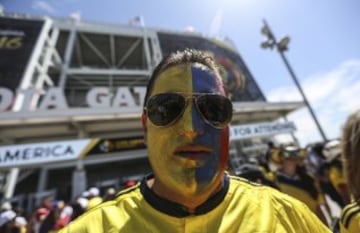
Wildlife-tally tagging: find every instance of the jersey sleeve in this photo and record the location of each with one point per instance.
(81, 225)
(310, 220)
(297, 217)
(90, 222)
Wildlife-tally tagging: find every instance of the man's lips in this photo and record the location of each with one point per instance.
(192, 152)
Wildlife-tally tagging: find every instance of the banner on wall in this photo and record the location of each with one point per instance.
(36, 154)
(261, 129)
(112, 145)
(41, 153)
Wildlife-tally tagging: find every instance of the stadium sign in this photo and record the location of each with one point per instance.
(18, 39)
(54, 98)
(261, 129)
(40, 153)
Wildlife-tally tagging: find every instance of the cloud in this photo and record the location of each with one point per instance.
(76, 15)
(189, 28)
(333, 95)
(43, 6)
(216, 22)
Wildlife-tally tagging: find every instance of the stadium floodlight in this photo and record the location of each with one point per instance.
(283, 43)
(267, 44)
(266, 31)
(282, 46)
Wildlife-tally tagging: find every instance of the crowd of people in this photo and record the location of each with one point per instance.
(186, 120)
(314, 175)
(309, 174)
(52, 214)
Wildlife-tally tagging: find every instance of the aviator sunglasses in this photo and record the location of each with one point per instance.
(290, 151)
(165, 109)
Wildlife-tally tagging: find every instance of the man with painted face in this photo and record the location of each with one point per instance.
(186, 121)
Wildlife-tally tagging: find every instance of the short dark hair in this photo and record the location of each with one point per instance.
(181, 57)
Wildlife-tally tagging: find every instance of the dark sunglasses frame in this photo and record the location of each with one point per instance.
(289, 154)
(298, 153)
(195, 96)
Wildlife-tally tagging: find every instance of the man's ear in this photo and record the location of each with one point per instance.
(143, 123)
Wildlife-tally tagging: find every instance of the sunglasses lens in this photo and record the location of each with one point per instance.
(163, 109)
(288, 154)
(216, 109)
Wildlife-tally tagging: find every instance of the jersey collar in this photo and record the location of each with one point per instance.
(175, 209)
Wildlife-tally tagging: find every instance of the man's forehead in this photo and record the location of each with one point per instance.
(187, 77)
(187, 70)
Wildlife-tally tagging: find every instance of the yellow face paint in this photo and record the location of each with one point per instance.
(163, 141)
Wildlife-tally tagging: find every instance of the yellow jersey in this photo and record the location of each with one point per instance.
(296, 188)
(336, 176)
(94, 202)
(240, 206)
(350, 218)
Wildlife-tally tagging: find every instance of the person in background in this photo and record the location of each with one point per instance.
(129, 183)
(265, 160)
(332, 153)
(94, 198)
(54, 220)
(332, 180)
(273, 158)
(110, 194)
(256, 173)
(350, 144)
(314, 158)
(332, 197)
(10, 223)
(20, 224)
(79, 207)
(293, 179)
(186, 121)
(7, 220)
(5, 206)
(40, 214)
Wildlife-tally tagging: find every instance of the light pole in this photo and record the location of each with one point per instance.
(281, 47)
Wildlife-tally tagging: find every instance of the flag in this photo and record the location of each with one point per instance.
(136, 21)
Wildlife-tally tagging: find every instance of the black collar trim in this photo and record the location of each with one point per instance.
(175, 209)
(291, 181)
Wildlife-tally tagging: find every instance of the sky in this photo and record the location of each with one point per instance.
(324, 49)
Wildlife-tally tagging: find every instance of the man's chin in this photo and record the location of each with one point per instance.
(194, 189)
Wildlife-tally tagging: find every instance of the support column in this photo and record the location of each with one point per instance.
(42, 180)
(67, 57)
(11, 182)
(79, 182)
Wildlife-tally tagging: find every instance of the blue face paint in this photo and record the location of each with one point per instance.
(204, 81)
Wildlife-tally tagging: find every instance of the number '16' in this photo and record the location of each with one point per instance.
(10, 42)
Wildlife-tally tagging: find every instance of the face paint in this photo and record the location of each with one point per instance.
(189, 156)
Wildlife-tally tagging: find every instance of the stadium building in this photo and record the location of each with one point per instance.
(71, 96)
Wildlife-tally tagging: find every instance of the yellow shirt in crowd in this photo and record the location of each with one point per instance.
(302, 195)
(350, 219)
(336, 177)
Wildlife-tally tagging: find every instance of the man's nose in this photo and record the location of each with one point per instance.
(190, 134)
(191, 121)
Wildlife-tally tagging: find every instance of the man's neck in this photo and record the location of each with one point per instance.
(289, 171)
(188, 202)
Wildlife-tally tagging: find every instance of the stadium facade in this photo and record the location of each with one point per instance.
(71, 97)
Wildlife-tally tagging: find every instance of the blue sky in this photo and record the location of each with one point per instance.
(324, 47)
